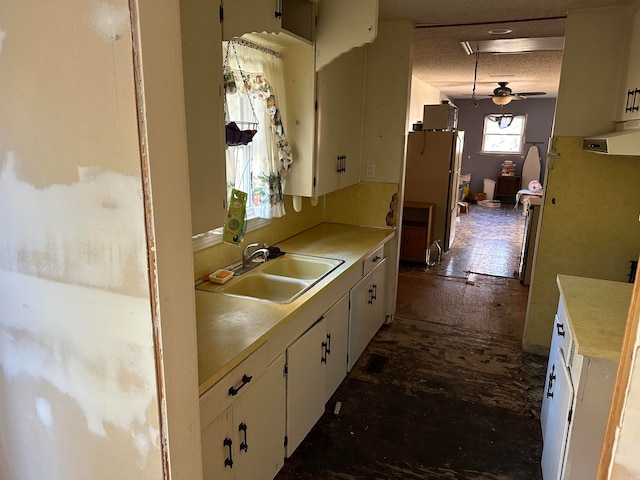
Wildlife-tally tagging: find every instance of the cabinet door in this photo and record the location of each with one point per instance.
(340, 103)
(337, 319)
(306, 361)
(554, 355)
(629, 108)
(259, 425)
(202, 76)
(414, 244)
(299, 116)
(366, 314)
(558, 420)
(250, 16)
(218, 460)
(343, 26)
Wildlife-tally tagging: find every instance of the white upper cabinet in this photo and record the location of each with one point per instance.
(202, 77)
(268, 16)
(250, 16)
(342, 26)
(629, 106)
(340, 102)
(323, 115)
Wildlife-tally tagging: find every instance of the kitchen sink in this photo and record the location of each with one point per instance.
(281, 280)
(267, 287)
(300, 266)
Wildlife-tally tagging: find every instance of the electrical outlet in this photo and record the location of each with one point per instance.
(371, 170)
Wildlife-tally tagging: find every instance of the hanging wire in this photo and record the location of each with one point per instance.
(475, 76)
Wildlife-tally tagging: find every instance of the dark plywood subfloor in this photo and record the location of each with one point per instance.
(443, 392)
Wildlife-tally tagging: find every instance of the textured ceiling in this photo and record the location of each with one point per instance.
(441, 25)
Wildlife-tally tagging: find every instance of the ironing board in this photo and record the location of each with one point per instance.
(531, 166)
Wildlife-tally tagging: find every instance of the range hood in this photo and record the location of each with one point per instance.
(621, 142)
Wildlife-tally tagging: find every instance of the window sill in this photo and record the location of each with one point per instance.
(502, 154)
(214, 237)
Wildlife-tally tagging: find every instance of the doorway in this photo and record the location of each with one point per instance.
(488, 241)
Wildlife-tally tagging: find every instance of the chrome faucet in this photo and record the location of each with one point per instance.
(247, 257)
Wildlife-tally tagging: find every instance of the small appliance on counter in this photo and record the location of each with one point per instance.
(443, 116)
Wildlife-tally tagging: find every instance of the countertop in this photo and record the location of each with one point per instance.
(229, 328)
(597, 312)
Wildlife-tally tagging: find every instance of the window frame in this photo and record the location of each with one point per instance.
(214, 237)
(522, 134)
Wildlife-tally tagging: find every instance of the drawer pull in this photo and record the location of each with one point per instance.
(243, 428)
(376, 259)
(228, 462)
(324, 353)
(560, 328)
(245, 379)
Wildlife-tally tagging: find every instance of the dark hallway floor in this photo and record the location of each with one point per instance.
(444, 391)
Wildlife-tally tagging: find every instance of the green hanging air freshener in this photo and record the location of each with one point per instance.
(236, 225)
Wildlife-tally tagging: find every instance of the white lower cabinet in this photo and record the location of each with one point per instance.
(575, 406)
(367, 312)
(558, 400)
(246, 441)
(259, 413)
(316, 365)
(218, 449)
(337, 345)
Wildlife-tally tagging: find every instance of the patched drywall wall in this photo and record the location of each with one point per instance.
(78, 390)
(83, 233)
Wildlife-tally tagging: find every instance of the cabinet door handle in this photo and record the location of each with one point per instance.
(243, 428)
(552, 377)
(278, 12)
(324, 353)
(228, 462)
(629, 105)
(560, 328)
(635, 106)
(328, 347)
(373, 293)
(233, 391)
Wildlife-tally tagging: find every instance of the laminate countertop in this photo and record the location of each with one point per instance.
(230, 328)
(597, 312)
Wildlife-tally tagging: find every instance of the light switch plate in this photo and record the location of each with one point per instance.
(371, 170)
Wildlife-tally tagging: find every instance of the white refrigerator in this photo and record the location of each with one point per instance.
(434, 159)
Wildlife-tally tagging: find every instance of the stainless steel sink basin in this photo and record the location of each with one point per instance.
(281, 280)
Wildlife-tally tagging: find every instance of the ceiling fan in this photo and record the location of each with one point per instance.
(502, 95)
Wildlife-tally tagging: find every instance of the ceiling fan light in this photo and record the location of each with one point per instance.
(500, 31)
(501, 100)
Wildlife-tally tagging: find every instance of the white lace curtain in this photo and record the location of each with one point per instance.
(254, 84)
